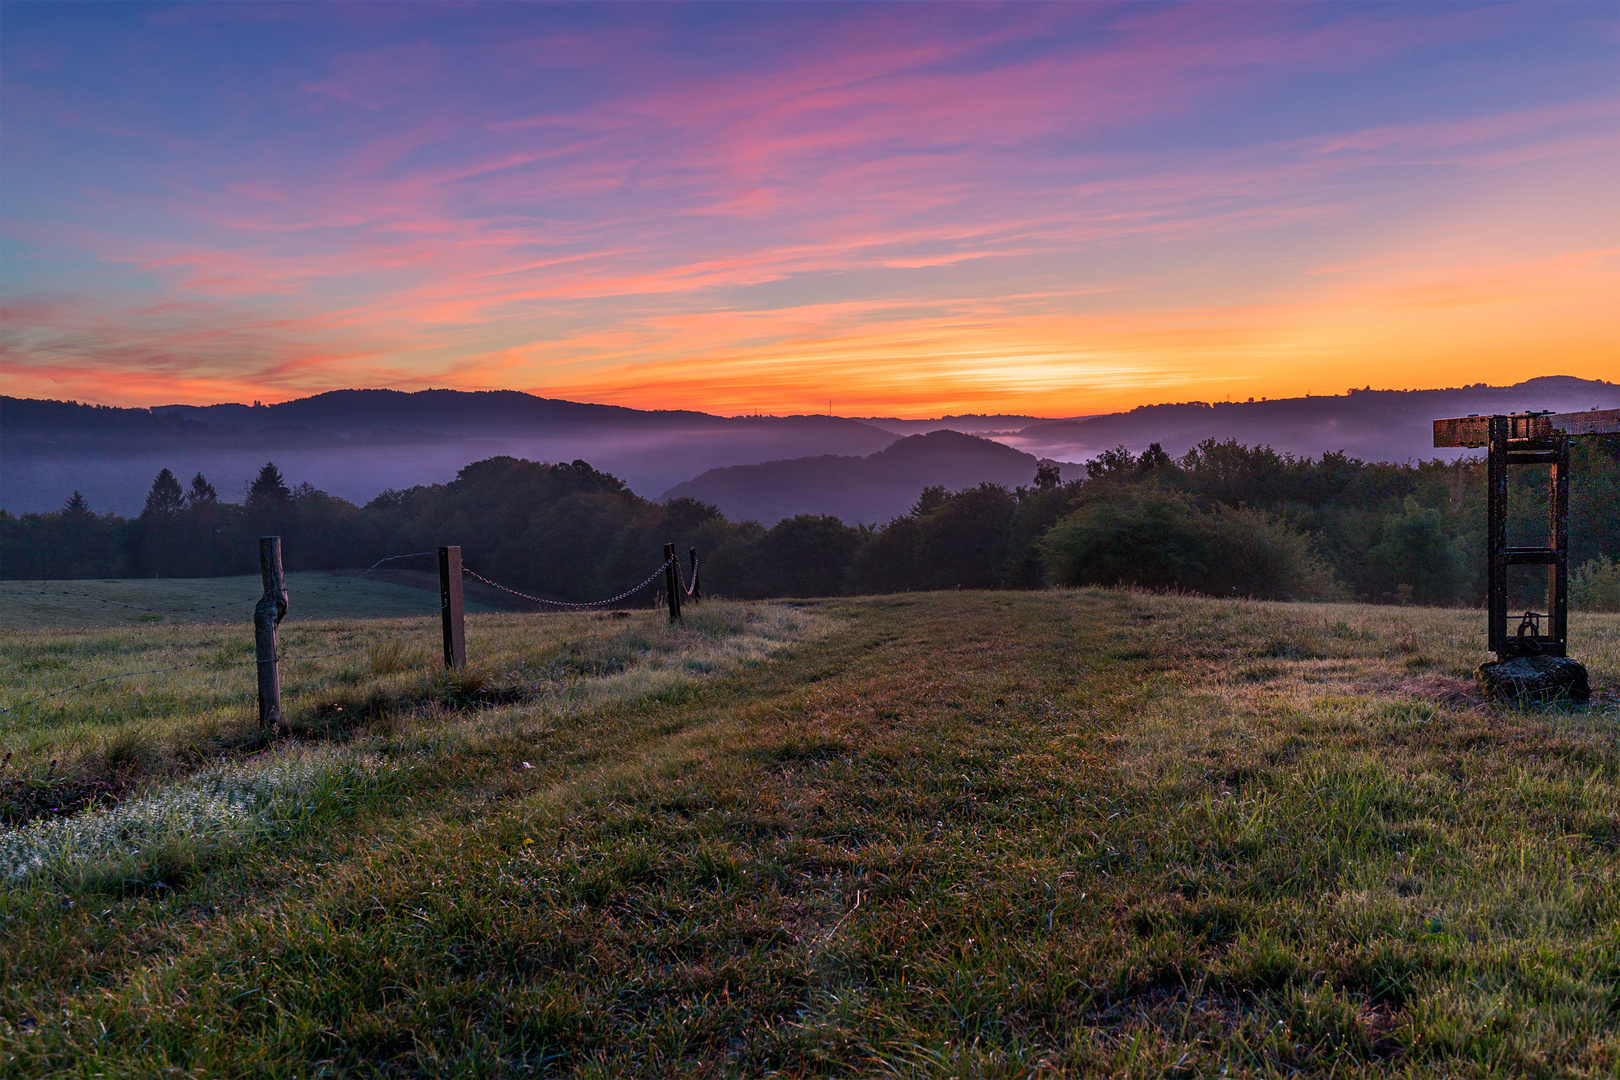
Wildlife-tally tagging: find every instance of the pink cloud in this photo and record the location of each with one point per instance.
(416, 221)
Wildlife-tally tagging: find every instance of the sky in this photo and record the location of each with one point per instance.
(901, 209)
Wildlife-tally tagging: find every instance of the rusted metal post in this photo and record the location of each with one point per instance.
(697, 589)
(1496, 534)
(1558, 540)
(267, 615)
(672, 586)
(450, 607)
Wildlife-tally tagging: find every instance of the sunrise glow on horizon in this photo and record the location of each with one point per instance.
(900, 209)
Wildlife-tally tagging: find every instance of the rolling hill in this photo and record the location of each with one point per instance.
(860, 490)
(356, 443)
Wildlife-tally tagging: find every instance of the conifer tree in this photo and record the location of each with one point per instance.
(202, 492)
(268, 488)
(166, 499)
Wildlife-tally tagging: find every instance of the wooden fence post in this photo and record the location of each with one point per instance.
(697, 589)
(455, 632)
(267, 614)
(672, 577)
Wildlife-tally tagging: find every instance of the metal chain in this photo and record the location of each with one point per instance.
(362, 574)
(568, 603)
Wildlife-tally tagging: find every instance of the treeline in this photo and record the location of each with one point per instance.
(1223, 519)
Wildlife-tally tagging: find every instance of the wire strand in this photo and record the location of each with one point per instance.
(213, 663)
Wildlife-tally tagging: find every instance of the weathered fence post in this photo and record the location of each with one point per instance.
(672, 578)
(267, 614)
(455, 632)
(697, 589)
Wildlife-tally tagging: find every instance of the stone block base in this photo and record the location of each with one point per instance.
(1535, 678)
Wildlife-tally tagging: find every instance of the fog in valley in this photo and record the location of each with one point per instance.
(356, 444)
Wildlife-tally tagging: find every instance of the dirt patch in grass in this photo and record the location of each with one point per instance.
(25, 798)
(1444, 690)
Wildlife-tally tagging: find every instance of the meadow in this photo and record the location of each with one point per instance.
(1062, 833)
(77, 605)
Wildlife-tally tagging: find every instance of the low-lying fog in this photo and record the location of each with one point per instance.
(649, 463)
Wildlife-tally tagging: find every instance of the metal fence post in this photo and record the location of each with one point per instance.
(267, 615)
(455, 632)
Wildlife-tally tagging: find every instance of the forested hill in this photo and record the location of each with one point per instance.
(858, 490)
(1221, 519)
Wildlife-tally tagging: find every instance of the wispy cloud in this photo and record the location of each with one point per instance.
(927, 207)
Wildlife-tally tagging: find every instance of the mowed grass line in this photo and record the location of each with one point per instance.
(960, 834)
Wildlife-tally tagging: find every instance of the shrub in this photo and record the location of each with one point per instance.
(1595, 585)
(1160, 539)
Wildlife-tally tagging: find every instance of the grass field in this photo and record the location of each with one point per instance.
(59, 605)
(960, 834)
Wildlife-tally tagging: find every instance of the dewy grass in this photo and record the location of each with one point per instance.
(200, 700)
(556, 664)
(1089, 833)
(219, 808)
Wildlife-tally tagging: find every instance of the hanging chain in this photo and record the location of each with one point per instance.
(571, 604)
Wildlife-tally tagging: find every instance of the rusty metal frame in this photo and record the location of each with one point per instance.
(1527, 439)
(1515, 443)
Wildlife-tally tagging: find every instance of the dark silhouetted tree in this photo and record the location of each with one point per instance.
(166, 499)
(202, 493)
(268, 490)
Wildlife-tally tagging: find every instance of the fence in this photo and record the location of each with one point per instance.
(271, 607)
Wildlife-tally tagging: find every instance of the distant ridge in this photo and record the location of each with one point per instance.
(1375, 425)
(354, 443)
(343, 413)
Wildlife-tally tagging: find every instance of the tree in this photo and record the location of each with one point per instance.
(1047, 476)
(932, 498)
(1414, 557)
(202, 493)
(268, 489)
(1153, 459)
(807, 555)
(1116, 464)
(80, 543)
(166, 499)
